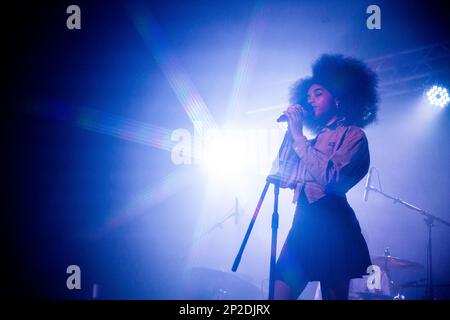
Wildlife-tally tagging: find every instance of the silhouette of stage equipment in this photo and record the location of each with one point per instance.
(421, 284)
(390, 289)
(234, 212)
(275, 180)
(367, 295)
(388, 262)
(210, 284)
(271, 179)
(429, 221)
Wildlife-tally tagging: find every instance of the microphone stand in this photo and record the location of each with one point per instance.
(429, 221)
(275, 218)
(275, 180)
(234, 212)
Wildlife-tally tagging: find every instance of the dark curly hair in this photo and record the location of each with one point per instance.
(350, 81)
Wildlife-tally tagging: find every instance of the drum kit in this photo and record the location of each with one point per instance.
(206, 284)
(389, 290)
(223, 285)
(210, 284)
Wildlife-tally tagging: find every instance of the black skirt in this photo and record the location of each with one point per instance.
(324, 244)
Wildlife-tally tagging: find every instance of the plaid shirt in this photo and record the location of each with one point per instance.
(332, 163)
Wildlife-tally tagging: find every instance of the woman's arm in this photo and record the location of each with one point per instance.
(343, 169)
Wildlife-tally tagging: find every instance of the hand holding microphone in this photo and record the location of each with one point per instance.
(284, 117)
(294, 116)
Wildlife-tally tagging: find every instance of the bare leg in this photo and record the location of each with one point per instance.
(338, 291)
(284, 292)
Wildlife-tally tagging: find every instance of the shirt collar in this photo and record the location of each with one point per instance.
(333, 125)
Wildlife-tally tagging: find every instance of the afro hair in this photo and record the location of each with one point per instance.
(350, 81)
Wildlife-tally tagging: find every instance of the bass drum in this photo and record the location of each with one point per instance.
(359, 290)
(210, 284)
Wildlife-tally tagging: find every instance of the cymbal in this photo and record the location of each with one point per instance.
(390, 262)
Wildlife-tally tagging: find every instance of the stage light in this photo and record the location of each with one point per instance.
(225, 155)
(438, 96)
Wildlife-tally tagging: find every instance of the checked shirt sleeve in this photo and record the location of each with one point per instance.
(345, 167)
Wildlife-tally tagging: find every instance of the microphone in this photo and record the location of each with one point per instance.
(284, 118)
(367, 188)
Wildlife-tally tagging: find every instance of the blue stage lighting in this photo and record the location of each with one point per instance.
(438, 96)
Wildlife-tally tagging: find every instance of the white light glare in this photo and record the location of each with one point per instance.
(438, 96)
(225, 155)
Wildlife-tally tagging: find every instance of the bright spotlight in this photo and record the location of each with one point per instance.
(225, 155)
(438, 96)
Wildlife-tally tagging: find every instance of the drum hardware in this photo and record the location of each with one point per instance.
(429, 221)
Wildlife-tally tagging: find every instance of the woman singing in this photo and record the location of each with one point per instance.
(325, 242)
